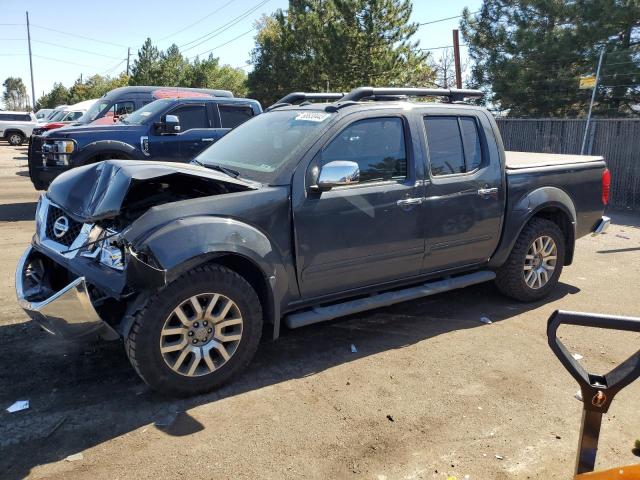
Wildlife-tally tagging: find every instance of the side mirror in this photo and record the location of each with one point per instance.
(336, 174)
(171, 124)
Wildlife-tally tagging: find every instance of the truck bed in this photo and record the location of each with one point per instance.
(519, 160)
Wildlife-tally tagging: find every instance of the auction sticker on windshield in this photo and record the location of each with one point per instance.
(312, 116)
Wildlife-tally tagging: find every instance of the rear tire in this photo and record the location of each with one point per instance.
(197, 332)
(535, 263)
(15, 138)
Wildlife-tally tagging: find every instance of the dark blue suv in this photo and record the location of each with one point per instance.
(173, 130)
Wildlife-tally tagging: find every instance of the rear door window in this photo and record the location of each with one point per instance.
(191, 116)
(454, 144)
(233, 115)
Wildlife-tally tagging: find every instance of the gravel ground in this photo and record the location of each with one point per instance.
(430, 393)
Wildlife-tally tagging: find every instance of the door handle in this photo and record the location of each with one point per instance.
(485, 192)
(410, 201)
(207, 139)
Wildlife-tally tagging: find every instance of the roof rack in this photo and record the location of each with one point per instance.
(298, 97)
(453, 94)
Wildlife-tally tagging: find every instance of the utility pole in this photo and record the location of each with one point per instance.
(456, 57)
(128, 55)
(593, 97)
(33, 90)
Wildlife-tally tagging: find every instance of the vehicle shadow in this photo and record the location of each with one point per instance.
(82, 396)
(15, 212)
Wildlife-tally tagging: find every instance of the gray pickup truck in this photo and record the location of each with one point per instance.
(303, 214)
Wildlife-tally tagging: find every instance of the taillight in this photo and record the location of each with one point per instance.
(606, 186)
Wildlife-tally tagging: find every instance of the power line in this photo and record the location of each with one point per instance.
(76, 49)
(79, 36)
(62, 61)
(197, 21)
(445, 19)
(228, 42)
(224, 27)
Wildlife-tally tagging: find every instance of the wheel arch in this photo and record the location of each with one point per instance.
(233, 244)
(95, 151)
(551, 203)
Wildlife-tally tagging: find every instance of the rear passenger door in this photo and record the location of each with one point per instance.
(464, 193)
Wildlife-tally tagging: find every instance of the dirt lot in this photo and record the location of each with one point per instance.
(431, 391)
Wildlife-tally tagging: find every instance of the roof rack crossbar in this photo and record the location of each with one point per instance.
(453, 94)
(298, 97)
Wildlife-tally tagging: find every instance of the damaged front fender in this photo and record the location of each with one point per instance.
(184, 243)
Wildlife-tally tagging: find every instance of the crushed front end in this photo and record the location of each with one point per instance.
(73, 279)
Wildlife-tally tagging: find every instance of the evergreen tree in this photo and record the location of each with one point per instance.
(173, 68)
(339, 44)
(59, 95)
(144, 70)
(530, 54)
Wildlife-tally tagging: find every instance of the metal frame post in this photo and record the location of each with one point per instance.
(593, 97)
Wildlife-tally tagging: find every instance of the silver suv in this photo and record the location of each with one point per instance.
(16, 127)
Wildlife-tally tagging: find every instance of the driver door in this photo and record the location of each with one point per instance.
(370, 232)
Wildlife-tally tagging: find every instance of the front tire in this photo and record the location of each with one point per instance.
(15, 139)
(197, 332)
(535, 263)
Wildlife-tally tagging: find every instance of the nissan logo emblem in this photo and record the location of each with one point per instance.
(61, 226)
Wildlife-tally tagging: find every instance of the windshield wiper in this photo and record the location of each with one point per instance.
(213, 166)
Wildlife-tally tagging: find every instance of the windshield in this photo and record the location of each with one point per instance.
(143, 114)
(57, 116)
(95, 109)
(260, 146)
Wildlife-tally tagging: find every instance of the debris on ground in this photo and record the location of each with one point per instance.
(558, 437)
(18, 405)
(578, 395)
(638, 443)
(623, 236)
(485, 320)
(577, 356)
(390, 418)
(499, 457)
(56, 426)
(75, 457)
(353, 348)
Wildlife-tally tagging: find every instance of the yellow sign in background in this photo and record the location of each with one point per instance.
(587, 82)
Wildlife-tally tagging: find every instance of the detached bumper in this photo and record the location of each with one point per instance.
(67, 312)
(602, 225)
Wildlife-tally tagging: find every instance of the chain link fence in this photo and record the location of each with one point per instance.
(617, 140)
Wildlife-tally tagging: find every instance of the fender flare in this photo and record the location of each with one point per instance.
(186, 243)
(112, 147)
(528, 207)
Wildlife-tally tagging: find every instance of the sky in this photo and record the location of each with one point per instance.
(71, 37)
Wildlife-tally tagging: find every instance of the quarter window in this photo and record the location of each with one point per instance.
(454, 144)
(376, 145)
(191, 116)
(231, 116)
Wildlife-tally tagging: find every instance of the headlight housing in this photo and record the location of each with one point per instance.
(103, 246)
(57, 152)
(64, 146)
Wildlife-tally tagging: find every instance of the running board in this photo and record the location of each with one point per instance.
(322, 314)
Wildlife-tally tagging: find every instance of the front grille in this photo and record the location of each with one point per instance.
(73, 229)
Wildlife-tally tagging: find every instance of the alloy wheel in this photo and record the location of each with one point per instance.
(540, 262)
(201, 334)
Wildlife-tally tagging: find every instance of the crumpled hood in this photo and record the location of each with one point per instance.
(97, 191)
